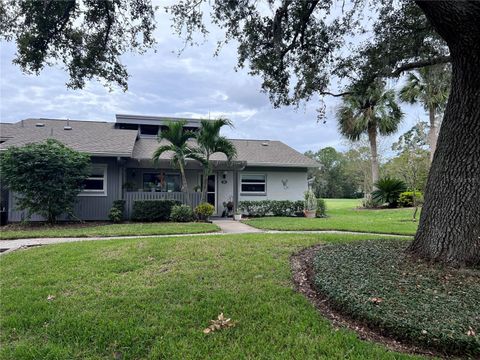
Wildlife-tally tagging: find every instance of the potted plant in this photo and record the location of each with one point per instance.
(237, 216)
(310, 204)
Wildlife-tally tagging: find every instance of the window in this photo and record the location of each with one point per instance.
(148, 130)
(255, 184)
(96, 183)
(163, 182)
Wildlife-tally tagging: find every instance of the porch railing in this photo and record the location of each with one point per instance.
(190, 198)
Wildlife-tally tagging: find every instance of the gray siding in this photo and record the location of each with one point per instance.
(86, 207)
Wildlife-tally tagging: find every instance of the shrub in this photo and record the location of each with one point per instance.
(153, 210)
(310, 203)
(321, 209)
(271, 207)
(388, 191)
(181, 213)
(406, 198)
(115, 215)
(47, 177)
(204, 211)
(255, 208)
(116, 211)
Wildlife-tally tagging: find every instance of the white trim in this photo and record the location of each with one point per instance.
(247, 193)
(97, 193)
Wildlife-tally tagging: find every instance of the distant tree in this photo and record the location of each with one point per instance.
(177, 139)
(331, 179)
(47, 177)
(413, 159)
(370, 111)
(430, 86)
(209, 142)
(358, 166)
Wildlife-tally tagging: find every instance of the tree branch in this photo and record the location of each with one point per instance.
(336, 95)
(420, 64)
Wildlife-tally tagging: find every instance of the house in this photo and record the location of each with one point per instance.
(122, 167)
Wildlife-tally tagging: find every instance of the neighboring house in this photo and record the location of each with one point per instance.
(123, 169)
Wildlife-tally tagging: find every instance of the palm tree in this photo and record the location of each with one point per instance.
(209, 142)
(431, 87)
(177, 138)
(371, 111)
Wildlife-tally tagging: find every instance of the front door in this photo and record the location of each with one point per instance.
(212, 191)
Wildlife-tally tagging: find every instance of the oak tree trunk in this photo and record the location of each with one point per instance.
(372, 137)
(433, 132)
(449, 229)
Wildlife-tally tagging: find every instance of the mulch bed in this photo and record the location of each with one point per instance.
(302, 264)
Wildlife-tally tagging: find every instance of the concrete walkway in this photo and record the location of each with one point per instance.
(226, 226)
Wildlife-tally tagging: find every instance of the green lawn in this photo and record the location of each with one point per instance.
(151, 299)
(165, 228)
(343, 214)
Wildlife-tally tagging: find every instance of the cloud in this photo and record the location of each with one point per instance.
(194, 84)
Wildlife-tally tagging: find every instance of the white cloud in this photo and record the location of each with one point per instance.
(194, 84)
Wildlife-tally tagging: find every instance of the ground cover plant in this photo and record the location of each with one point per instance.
(428, 305)
(18, 231)
(153, 298)
(344, 214)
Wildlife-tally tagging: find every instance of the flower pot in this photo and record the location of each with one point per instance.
(237, 217)
(309, 213)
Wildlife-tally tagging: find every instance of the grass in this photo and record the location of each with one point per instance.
(151, 299)
(130, 229)
(428, 305)
(343, 214)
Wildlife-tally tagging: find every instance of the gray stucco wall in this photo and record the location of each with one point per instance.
(86, 207)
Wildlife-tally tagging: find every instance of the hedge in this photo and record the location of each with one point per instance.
(153, 210)
(271, 207)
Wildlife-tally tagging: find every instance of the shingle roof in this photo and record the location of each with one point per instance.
(101, 138)
(92, 137)
(253, 152)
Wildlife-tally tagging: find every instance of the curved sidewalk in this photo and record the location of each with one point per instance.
(227, 227)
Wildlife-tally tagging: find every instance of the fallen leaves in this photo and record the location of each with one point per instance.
(220, 323)
(470, 331)
(376, 300)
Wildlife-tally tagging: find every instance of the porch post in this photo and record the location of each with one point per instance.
(235, 190)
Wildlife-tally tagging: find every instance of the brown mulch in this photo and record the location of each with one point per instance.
(303, 276)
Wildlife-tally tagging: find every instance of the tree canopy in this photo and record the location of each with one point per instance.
(46, 177)
(86, 37)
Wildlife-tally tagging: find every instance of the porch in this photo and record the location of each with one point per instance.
(188, 198)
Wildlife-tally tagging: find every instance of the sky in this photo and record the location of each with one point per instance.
(163, 83)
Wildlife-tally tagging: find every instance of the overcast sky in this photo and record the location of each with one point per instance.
(194, 84)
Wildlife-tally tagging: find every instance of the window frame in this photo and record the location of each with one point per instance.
(253, 193)
(92, 192)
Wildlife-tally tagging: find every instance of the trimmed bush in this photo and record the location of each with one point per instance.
(406, 198)
(153, 210)
(321, 209)
(181, 213)
(271, 207)
(204, 211)
(116, 211)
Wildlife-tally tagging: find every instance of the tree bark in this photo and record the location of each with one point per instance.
(449, 229)
(184, 178)
(433, 132)
(372, 137)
